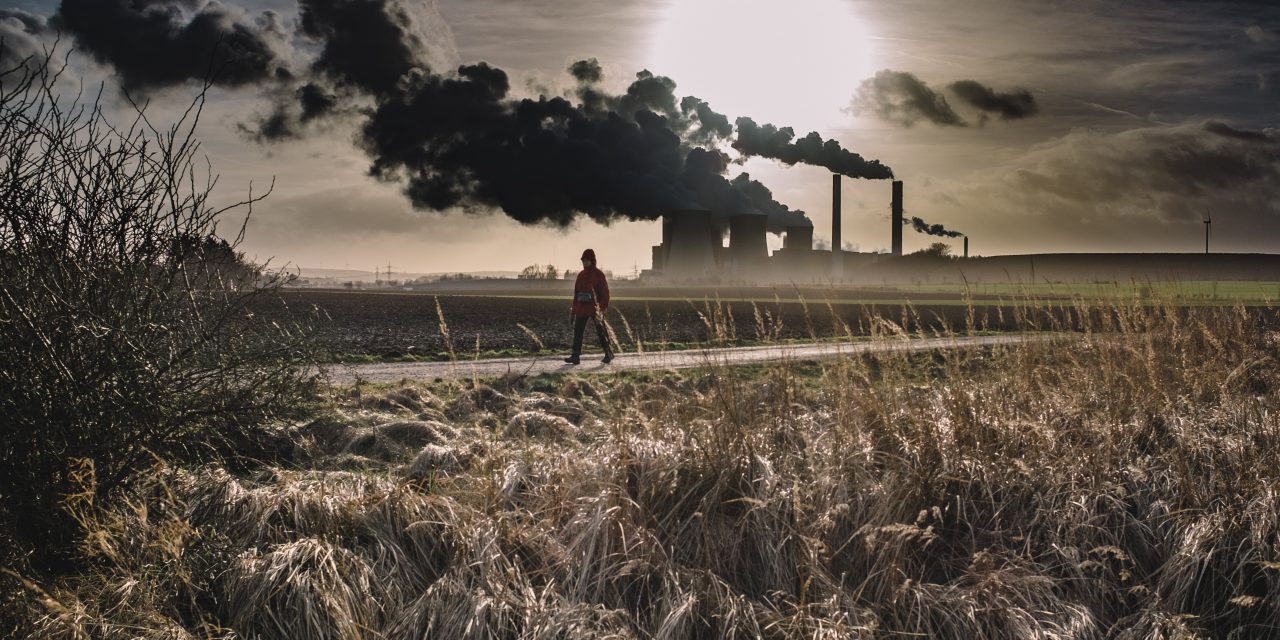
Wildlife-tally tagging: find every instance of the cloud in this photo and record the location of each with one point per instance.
(160, 43)
(1155, 174)
(1142, 189)
(21, 37)
(1180, 74)
(1259, 35)
(1011, 105)
(903, 99)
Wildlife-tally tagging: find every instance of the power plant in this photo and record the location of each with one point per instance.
(692, 247)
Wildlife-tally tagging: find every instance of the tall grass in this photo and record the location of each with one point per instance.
(1119, 483)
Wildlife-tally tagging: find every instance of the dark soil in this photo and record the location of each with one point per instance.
(391, 325)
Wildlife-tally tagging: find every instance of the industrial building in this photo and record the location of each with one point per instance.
(692, 248)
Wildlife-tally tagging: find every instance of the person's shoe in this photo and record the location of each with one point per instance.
(572, 360)
(608, 357)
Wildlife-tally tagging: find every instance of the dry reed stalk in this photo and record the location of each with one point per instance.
(537, 341)
(443, 327)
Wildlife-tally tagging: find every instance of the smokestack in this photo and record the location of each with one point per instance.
(837, 258)
(966, 246)
(835, 212)
(897, 218)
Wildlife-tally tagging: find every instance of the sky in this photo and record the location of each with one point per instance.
(1028, 125)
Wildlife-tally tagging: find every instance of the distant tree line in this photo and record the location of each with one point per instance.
(540, 272)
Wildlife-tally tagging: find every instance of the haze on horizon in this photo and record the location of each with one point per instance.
(1030, 126)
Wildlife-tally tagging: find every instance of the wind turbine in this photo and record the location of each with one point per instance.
(1208, 223)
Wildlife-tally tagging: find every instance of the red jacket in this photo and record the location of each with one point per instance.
(589, 291)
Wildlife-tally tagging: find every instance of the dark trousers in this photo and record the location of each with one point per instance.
(580, 326)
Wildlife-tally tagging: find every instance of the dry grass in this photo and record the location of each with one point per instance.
(1117, 485)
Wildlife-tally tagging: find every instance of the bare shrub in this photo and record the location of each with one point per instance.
(127, 325)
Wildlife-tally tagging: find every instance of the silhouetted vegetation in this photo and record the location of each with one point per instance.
(125, 326)
(934, 250)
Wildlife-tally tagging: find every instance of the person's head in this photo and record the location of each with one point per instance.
(588, 259)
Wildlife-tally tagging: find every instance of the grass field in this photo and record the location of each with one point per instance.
(370, 326)
(1119, 486)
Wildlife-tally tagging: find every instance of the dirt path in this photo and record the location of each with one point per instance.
(657, 360)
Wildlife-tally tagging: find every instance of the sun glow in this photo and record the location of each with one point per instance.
(794, 63)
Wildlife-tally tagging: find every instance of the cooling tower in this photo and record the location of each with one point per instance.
(798, 238)
(690, 240)
(659, 257)
(748, 251)
(896, 231)
(747, 237)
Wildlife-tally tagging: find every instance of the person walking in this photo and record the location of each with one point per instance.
(590, 301)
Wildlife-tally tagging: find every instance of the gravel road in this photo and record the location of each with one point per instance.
(658, 360)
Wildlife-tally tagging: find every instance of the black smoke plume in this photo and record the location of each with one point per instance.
(292, 111)
(703, 174)
(931, 229)
(780, 217)
(903, 99)
(159, 43)
(709, 126)
(459, 141)
(365, 48)
(459, 138)
(1011, 105)
(769, 141)
(365, 44)
(587, 71)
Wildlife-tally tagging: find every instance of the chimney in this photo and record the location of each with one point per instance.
(966, 246)
(835, 211)
(897, 218)
(837, 262)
